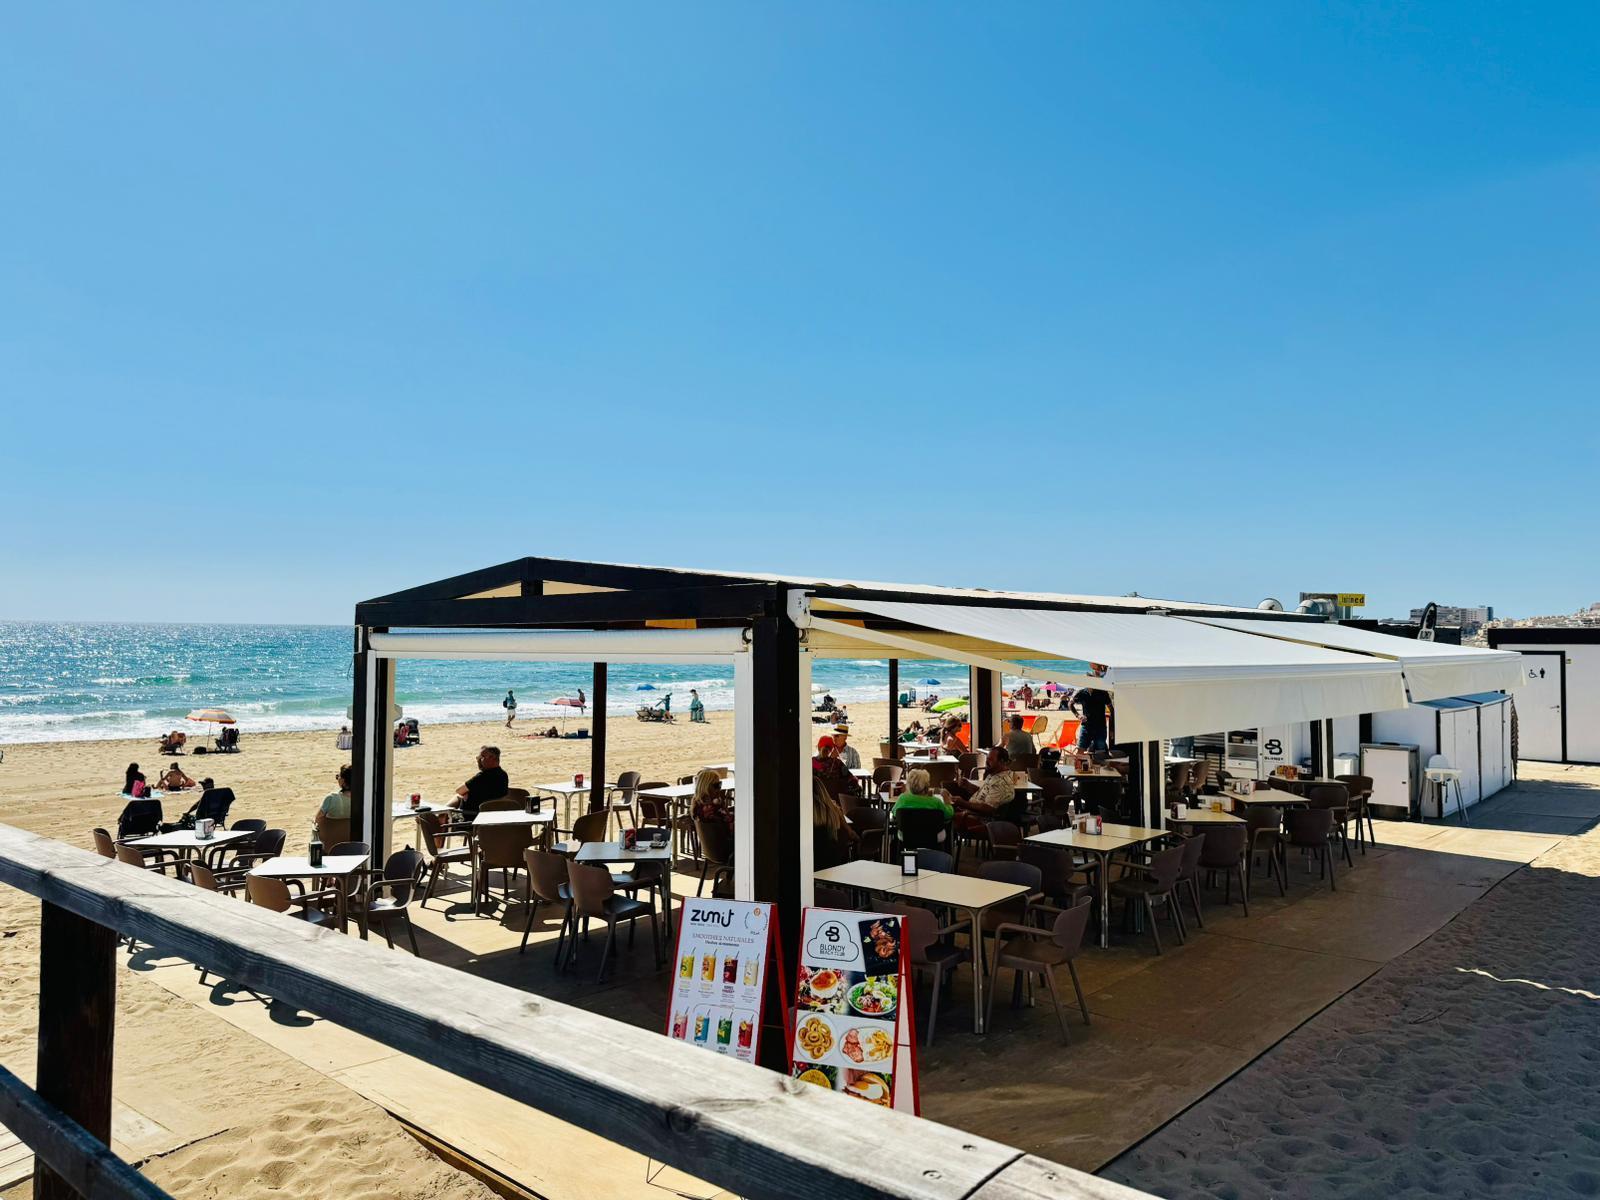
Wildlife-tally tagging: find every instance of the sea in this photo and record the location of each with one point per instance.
(82, 681)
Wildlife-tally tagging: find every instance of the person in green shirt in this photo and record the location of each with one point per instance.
(919, 794)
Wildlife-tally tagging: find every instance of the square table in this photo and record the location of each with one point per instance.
(1272, 797)
(1204, 816)
(187, 839)
(1103, 845)
(864, 875)
(605, 853)
(566, 790)
(970, 895)
(334, 866)
(513, 816)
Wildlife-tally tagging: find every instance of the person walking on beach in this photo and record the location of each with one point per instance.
(582, 702)
(510, 705)
(697, 710)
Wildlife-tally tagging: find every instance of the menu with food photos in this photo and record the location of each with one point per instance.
(853, 1008)
(720, 975)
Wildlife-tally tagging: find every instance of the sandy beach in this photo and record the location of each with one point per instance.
(303, 1135)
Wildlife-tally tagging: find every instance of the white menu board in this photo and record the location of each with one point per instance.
(720, 974)
(852, 1022)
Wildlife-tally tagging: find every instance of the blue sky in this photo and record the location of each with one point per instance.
(304, 303)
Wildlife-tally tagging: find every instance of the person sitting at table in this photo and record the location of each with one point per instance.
(174, 780)
(1019, 743)
(832, 837)
(710, 802)
(847, 753)
(919, 794)
(825, 763)
(996, 798)
(953, 744)
(490, 783)
(133, 781)
(336, 805)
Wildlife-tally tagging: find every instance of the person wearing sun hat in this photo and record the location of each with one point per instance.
(847, 752)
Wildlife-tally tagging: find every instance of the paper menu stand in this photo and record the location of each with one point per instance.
(853, 1017)
(719, 975)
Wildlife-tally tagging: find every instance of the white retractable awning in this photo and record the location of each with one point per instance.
(1171, 677)
(1432, 670)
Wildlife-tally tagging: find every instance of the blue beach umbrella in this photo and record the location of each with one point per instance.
(645, 687)
(929, 682)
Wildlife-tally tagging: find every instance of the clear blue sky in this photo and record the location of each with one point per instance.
(301, 303)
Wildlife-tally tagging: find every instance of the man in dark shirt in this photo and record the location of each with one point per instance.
(490, 783)
(1091, 704)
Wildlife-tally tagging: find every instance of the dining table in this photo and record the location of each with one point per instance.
(1110, 840)
(965, 893)
(565, 789)
(607, 854)
(187, 843)
(334, 867)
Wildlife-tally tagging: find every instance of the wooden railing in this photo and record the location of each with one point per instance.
(749, 1130)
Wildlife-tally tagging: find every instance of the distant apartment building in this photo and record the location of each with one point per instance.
(1465, 618)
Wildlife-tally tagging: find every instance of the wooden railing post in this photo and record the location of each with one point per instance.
(77, 1020)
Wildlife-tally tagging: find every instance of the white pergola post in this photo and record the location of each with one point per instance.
(803, 731)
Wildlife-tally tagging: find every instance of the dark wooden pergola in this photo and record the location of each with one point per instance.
(553, 596)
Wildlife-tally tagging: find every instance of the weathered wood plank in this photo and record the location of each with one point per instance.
(748, 1130)
(77, 1024)
(81, 1161)
(1031, 1178)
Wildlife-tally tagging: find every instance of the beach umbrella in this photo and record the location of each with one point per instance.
(1053, 687)
(929, 682)
(645, 687)
(950, 705)
(213, 716)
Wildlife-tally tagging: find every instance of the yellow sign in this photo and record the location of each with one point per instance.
(1352, 599)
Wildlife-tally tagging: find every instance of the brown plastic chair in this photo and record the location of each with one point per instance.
(1013, 911)
(1189, 875)
(147, 860)
(1200, 775)
(431, 826)
(594, 896)
(1153, 883)
(885, 773)
(1057, 869)
(931, 951)
(274, 894)
(1264, 827)
(590, 827)
(1224, 850)
(389, 898)
(506, 803)
(1360, 787)
(1334, 797)
(201, 876)
(547, 884)
(871, 826)
(1005, 839)
(1029, 950)
(1311, 830)
(104, 844)
(332, 830)
(623, 799)
(716, 853)
(498, 848)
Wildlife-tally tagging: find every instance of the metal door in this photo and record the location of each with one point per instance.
(1541, 723)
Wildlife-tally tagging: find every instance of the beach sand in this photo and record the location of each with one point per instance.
(211, 1117)
(1469, 1066)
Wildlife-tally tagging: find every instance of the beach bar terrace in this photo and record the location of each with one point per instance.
(1172, 668)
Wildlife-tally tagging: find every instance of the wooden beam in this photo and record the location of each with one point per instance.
(697, 603)
(597, 740)
(751, 1131)
(984, 716)
(77, 1021)
(774, 797)
(83, 1162)
(464, 584)
(894, 701)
